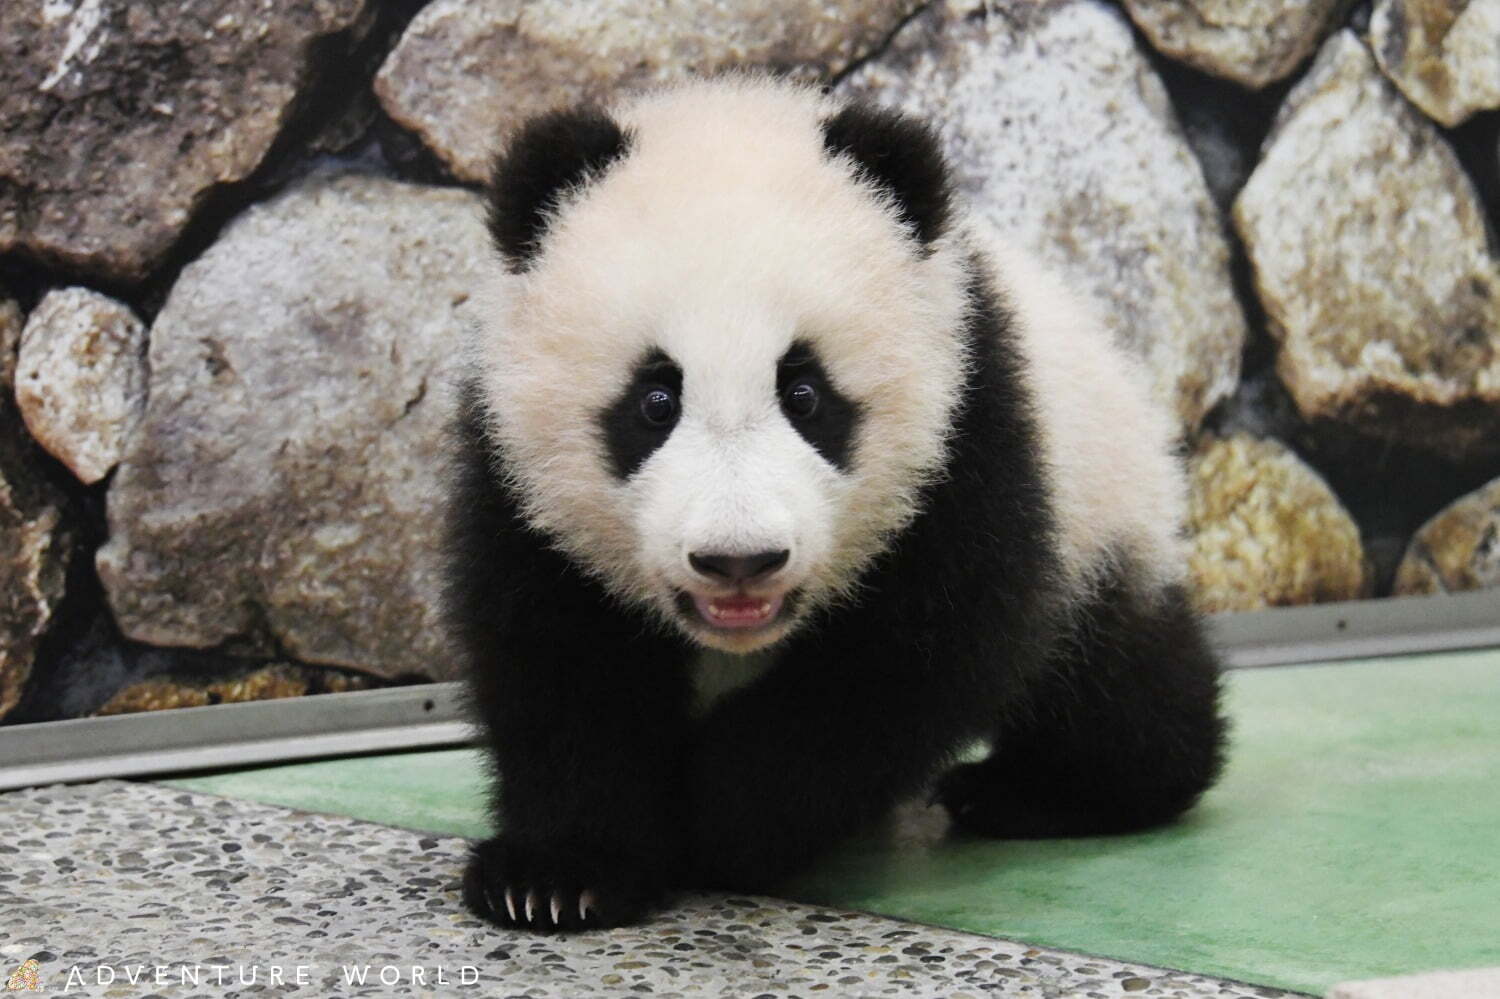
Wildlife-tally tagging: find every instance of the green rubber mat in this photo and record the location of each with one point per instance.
(440, 791)
(1353, 836)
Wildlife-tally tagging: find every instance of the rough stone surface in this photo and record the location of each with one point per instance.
(1064, 141)
(1267, 530)
(34, 542)
(466, 71)
(11, 325)
(280, 494)
(1370, 255)
(1443, 54)
(119, 117)
(81, 378)
(1459, 549)
(1253, 42)
(262, 683)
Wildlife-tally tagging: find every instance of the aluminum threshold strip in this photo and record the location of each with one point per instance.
(231, 735)
(1359, 629)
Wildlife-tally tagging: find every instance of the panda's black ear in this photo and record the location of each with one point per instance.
(901, 155)
(548, 155)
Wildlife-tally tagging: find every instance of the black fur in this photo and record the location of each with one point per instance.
(584, 705)
(605, 783)
(902, 156)
(1120, 732)
(549, 155)
(830, 428)
(628, 438)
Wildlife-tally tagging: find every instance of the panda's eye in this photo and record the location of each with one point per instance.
(800, 400)
(659, 406)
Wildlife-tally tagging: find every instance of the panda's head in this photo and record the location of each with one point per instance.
(724, 353)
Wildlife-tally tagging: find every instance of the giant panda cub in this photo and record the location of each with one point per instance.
(779, 487)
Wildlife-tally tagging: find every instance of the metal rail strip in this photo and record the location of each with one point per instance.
(230, 735)
(1359, 629)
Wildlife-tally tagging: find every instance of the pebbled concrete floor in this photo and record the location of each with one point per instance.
(120, 889)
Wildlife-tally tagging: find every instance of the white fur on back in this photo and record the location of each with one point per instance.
(1118, 487)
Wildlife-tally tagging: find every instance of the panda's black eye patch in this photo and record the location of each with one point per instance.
(642, 417)
(824, 416)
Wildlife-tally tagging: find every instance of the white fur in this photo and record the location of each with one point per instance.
(725, 234)
(1118, 487)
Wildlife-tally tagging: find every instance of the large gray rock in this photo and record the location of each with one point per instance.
(119, 117)
(1459, 549)
(466, 71)
(1443, 54)
(1253, 42)
(1370, 255)
(34, 541)
(81, 378)
(281, 493)
(1267, 531)
(1064, 143)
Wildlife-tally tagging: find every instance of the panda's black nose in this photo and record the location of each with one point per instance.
(737, 568)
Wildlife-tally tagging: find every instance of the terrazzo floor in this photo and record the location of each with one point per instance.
(128, 889)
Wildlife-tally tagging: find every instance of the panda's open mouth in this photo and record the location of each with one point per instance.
(736, 611)
(741, 610)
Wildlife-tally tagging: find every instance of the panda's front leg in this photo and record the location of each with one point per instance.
(813, 752)
(585, 720)
(586, 803)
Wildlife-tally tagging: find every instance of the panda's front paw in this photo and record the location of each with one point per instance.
(520, 886)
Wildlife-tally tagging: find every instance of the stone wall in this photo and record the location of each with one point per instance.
(236, 244)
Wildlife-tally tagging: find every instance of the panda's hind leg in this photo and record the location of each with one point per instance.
(1122, 730)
